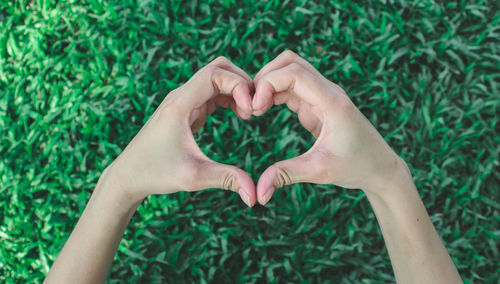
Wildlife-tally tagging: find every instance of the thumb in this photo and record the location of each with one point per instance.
(216, 175)
(303, 168)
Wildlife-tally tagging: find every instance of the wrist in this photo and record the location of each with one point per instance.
(397, 178)
(110, 186)
(396, 194)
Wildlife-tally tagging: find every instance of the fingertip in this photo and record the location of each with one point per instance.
(243, 99)
(247, 189)
(268, 193)
(245, 197)
(265, 184)
(255, 101)
(257, 113)
(242, 113)
(263, 98)
(248, 196)
(246, 114)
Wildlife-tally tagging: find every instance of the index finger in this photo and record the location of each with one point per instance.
(285, 58)
(294, 80)
(212, 81)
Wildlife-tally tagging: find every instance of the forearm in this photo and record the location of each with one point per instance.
(90, 249)
(416, 251)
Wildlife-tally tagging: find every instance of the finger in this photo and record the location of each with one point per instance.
(212, 81)
(264, 100)
(225, 63)
(199, 115)
(285, 58)
(292, 79)
(308, 116)
(239, 111)
(217, 175)
(303, 168)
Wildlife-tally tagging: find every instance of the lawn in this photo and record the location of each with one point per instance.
(79, 78)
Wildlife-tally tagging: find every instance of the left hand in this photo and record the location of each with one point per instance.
(164, 157)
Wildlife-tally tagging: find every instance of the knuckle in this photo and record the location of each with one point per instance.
(210, 69)
(289, 54)
(295, 68)
(339, 89)
(169, 107)
(166, 112)
(172, 97)
(229, 181)
(344, 106)
(221, 60)
(282, 176)
(210, 73)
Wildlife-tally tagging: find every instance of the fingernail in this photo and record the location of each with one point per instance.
(255, 98)
(246, 115)
(267, 195)
(258, 112)
(245, 197)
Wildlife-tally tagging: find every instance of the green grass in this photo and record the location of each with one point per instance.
(79, 78)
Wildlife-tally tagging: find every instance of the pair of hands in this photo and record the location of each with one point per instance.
(164, 157)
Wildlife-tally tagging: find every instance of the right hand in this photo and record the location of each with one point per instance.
(348, 152)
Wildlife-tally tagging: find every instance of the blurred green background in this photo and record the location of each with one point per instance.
(79, 78)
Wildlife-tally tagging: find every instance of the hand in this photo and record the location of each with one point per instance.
(348, 152)
(164, 157)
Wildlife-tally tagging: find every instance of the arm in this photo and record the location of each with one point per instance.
(349, 152)
(89, 251)
(416, 251)
(162, 158)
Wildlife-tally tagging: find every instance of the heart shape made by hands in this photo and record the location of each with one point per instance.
(265, 96)
(355, 155)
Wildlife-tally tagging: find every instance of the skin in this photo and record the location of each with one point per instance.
(163, 158)
(349, 152)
